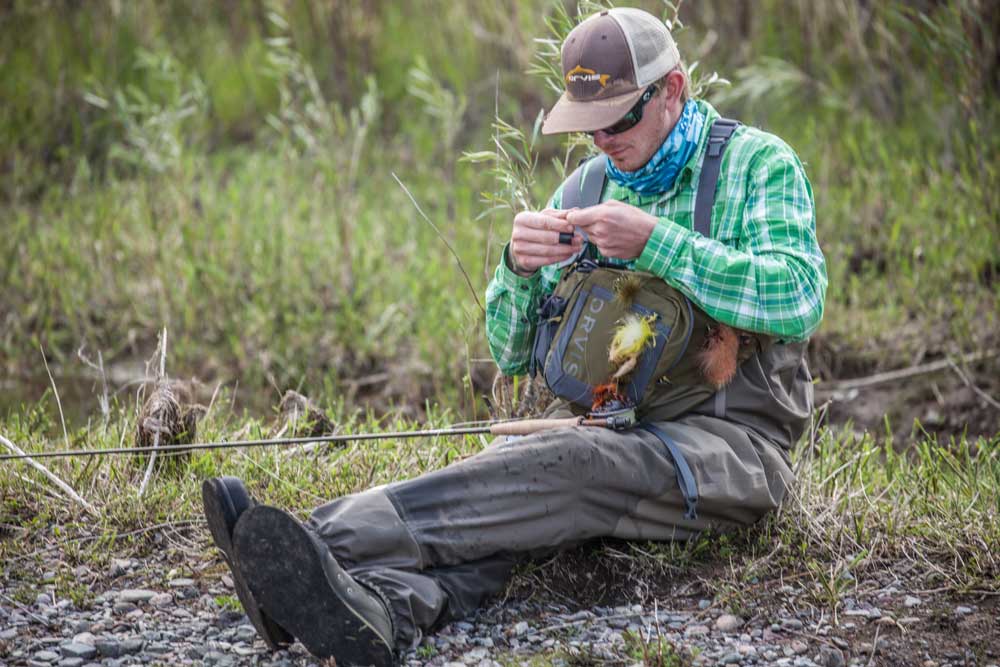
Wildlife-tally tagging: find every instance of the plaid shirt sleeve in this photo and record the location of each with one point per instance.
(512, 305)
(511, 316)
(771, 276)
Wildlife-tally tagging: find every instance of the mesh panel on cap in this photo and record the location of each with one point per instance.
(653, 50)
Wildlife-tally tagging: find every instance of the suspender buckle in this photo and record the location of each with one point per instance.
(715, 145)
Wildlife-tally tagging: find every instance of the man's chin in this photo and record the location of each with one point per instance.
(623, 165)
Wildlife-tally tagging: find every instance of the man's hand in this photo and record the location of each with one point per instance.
(534, 242)
(618, 229)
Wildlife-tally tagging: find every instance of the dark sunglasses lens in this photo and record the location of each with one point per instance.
(630, 120)
(634, 115)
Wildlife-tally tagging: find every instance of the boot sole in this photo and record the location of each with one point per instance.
(221, 516)
(284, 564)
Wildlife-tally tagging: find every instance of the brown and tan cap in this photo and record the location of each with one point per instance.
(608, 62)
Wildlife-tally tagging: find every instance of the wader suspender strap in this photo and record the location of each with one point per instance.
(718, 136)
(581, 193)
(685, 478)
(588, 193)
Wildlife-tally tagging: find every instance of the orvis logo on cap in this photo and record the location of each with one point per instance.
(580, 74)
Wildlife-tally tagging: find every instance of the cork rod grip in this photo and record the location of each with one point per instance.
(529, 426)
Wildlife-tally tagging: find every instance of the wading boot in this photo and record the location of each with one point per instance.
(224, 500)
(293, 575)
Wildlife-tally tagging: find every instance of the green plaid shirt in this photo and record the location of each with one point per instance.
(762, 269)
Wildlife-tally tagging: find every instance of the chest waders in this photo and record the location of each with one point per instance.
(584, 301)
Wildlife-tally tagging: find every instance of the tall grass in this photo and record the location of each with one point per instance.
(225, 171)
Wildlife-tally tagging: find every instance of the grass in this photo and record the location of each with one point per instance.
(231, 177)
(860, 506)
(255, 214)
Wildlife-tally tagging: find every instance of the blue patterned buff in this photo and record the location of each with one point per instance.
(659, 174)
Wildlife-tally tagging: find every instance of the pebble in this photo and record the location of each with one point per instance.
(830, 657)
(85, 638)
(131, 646)
(161, 600)
(136, 595)
(963, 611)
(108, 648)
(798, 646)
(696, 631)
(791, 624)
(728, 623)
(119, 567)
(910, 601)
(75, 649)
(246, 633)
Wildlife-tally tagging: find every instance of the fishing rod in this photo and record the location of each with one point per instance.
(615, 419)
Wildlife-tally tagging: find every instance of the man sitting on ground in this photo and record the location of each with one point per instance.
(710, 215)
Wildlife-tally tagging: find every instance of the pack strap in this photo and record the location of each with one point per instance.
(685, 478)
(718, 136)
(580, 191)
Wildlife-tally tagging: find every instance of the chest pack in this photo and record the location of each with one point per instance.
(578, 321)
(577, 325)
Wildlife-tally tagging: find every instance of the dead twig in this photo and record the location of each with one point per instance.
(589, 619)
(968, 383)
(874, 646)
(103, 400)
(63, 486)
(111, 538)
(62, 418)
(156, 433)
(44, 621)
(905, 373)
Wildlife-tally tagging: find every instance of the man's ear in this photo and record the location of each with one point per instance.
(674, 85)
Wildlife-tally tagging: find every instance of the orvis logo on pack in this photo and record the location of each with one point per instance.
(576, 353)
(580, 74)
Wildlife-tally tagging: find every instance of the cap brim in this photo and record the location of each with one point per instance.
(574, 116)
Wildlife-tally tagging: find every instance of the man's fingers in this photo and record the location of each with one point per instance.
(556, 213)
(541, 221)
(529, 235)
(585, 217)
(544, 251)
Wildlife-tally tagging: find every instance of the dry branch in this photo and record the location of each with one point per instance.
(66, 488)
(905, 373)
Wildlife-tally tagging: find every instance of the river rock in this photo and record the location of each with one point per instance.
(136, 595)
(728, 623)
(77, 650)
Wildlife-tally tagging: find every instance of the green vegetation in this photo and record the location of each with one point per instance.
(229, 172)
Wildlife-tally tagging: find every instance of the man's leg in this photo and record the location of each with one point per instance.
(410, 540)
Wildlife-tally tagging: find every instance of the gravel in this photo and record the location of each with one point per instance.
(199, 631)
(144, 618)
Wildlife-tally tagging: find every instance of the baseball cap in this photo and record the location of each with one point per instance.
(608, 61)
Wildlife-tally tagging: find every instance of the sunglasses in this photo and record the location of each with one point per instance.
(634, 115)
